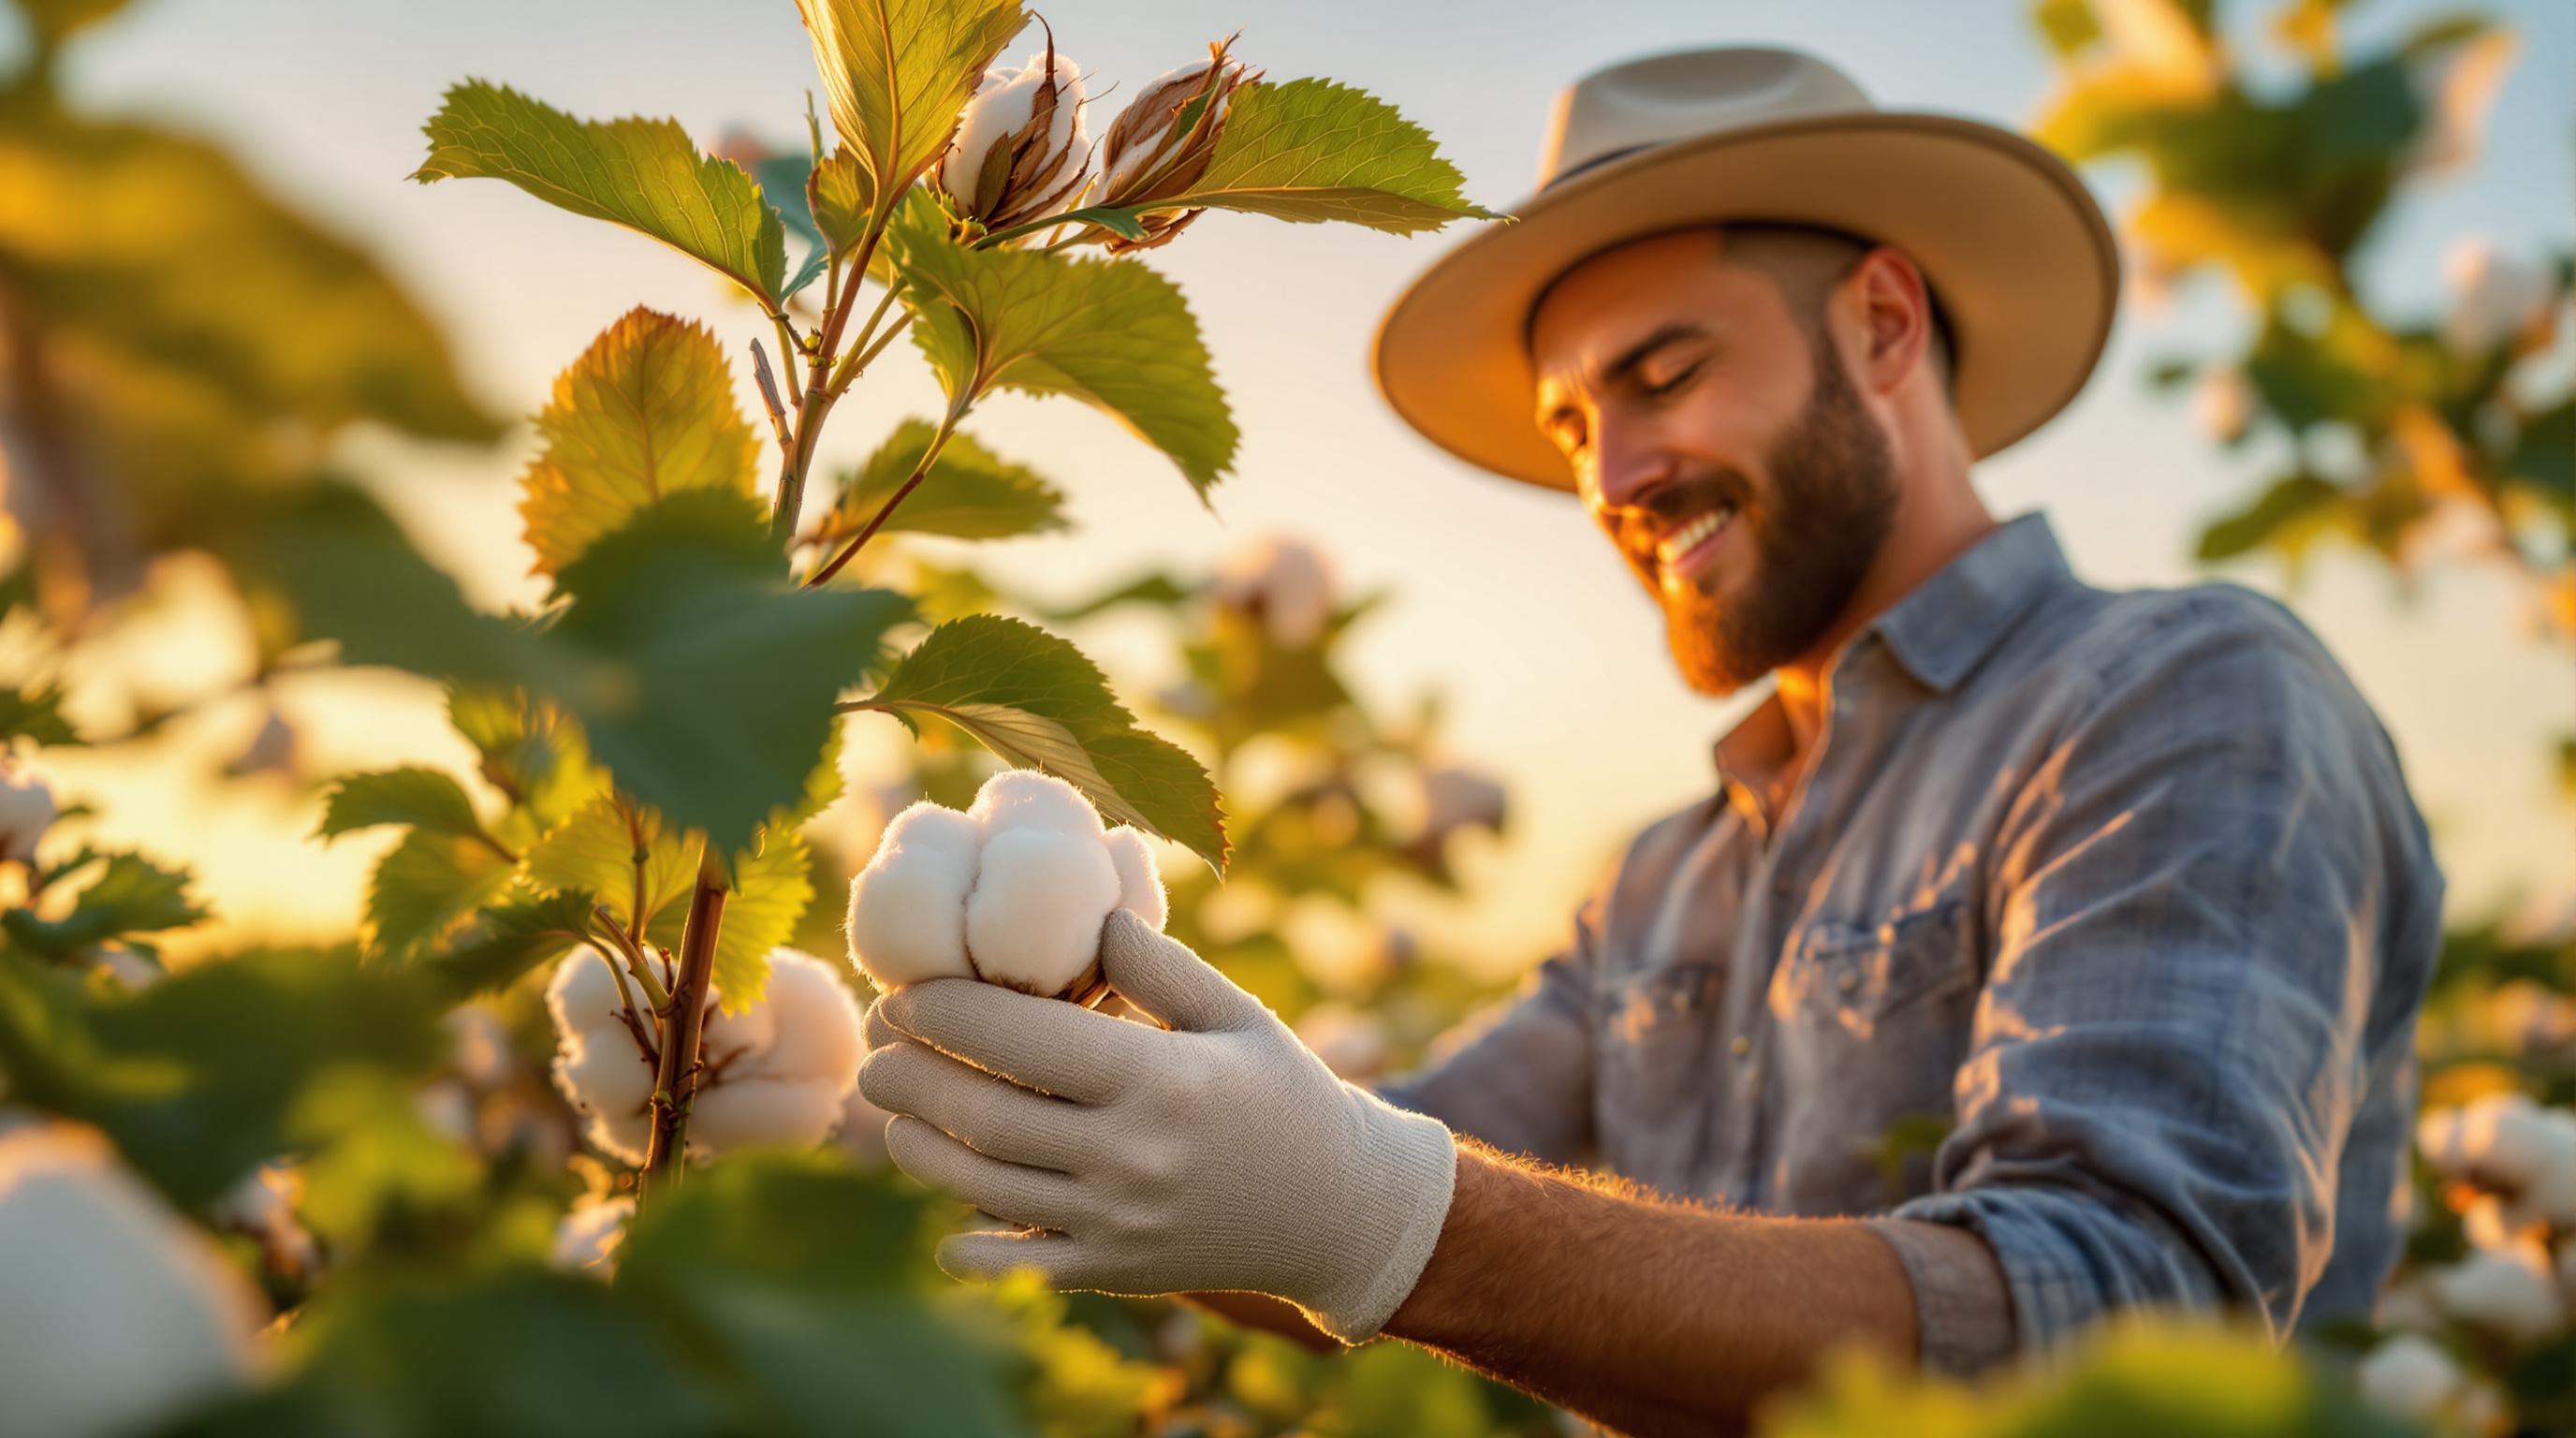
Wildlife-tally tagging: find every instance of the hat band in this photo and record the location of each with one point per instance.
(1605, 157)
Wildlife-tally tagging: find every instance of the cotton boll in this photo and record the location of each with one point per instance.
(723, 1035)
(908, 906)
(2409, 1376)
(2509, 1140)
(27, 807)
(2495, 295)
(762, 1113)
(478, 1045)
(1140, 879)
(1283, 580)
(587, 1239)
(1033, 922)
(2509, 1291)
(815, 1022)
(1032, 799)
(115, 1316)
(583, 995)
(607, 1078)
(2442, 1139)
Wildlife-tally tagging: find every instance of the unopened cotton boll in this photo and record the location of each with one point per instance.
(587, 1238)
(1286, 582)
(115, 1315)
(907, 918)
(1033, 922)
(27, 806)
(1023, 150)
(1140, 879)
(2409, 1376)
(2506, 1291)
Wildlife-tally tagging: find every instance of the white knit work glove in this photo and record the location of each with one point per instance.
(1216, 1155)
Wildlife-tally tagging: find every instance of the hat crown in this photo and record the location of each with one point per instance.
(1660, 98)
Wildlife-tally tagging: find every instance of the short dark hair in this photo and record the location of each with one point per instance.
(1807, 260)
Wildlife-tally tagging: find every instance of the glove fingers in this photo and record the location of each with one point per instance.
(1008, 1191)
(1044, 1044)
(991, 1254)
(875, 1030)
(990, 1114)
(1159, 974)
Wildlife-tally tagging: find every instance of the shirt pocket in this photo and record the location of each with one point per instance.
(1659, 1056)
(1853, 975)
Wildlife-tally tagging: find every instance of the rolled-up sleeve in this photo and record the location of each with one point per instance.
(2173, 1039)
(1521, 1080)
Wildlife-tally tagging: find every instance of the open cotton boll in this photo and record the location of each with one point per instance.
(2507, 1291)
(582, 994)
(1030, 799)
(115, 1315)
(1285, 581)
(1140, 879)
(2510, 1140)
(1033, 922)
(2408, 1375)
(27, 807)
(907, 917)
(762, 1113)
(2439, 1136)
(587, 1238)
(605, 1076)
(814, 1023)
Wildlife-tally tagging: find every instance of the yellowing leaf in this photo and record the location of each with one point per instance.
(596, 850)
(1312, 150)
(970, 492)
(426, 886)
(646, 411)
(643, 174)
(772, 884)
(842, 194)
(899, 72)
(1112, 333)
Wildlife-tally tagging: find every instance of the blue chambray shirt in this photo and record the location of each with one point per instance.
(2126, 889)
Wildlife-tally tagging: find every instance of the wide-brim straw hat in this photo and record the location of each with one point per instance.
(2017, 254)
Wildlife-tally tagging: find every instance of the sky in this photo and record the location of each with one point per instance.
(1508, 602)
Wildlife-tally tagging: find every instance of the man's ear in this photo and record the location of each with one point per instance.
(1896, 318)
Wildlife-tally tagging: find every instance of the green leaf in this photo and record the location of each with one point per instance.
(529, 751)
(35, 714)
(422, 797)
(970, 492)
(1036, 701)
(594, 852)
(643, 174)
(508, 939)
(195, 1077)
(427, 885)
(1114, 334)
(842, 195)
(1312, 150)
(771, 887)
(2069, 26)
(2284, 517)
(725, 673)
(130, 895)
(647, 410)
(54, 21)
(701, 678)
(899, 72)
(1159, 590)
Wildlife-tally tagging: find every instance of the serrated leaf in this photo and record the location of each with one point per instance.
(899, 72)
(529, 751)
(644, 174)
(1038, 702)
(422, 797)
(427, 885)
(842, 195)
(508, 939)
(970, 492)
(1114, 334)
(1313, 149)
(771, 888)
(130, 895)
(35, 714)
(647, 411)
(594, 851)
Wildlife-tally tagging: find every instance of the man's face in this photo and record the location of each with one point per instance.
(1727, 457)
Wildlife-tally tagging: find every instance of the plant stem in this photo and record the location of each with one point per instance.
(675, 1078)
(885, 511)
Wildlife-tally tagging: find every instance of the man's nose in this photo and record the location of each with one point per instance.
(1629, 465)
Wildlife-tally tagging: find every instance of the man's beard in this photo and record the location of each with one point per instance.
(1816, 527)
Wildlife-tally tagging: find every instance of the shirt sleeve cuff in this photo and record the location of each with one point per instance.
(1963, 1313)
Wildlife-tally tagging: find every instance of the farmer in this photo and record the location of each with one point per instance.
(2120, 895)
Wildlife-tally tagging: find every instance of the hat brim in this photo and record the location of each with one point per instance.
(2023, 263)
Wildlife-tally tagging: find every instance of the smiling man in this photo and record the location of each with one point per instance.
(2121, 892)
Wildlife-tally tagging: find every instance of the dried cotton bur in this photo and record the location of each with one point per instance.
(1013, 891)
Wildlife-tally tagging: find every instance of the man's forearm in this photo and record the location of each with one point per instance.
(1645, 1315)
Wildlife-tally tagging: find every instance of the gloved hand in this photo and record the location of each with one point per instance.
(1216, 1155)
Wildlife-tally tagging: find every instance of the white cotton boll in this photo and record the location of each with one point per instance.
(1031, 799)
(1284, 580)
(446, 1109)
(755, 1112)
(1003, 104)
(2508, 1139)
(907, 918)
(587, 1239)
(27, 806)
(130, 968)
(722, 1035)
(582, 995)
(478, 1045)
(605, 1076)
(1033, 922)
(1140, 879)
(2494, 295)
(2442, 1139)
(2409, 1376)
(815, 1021)
(115, 1315)
(2508, 1291)
(2409, 1305)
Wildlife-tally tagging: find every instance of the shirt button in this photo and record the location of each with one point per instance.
(1741, 1046)
(1848, 982)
